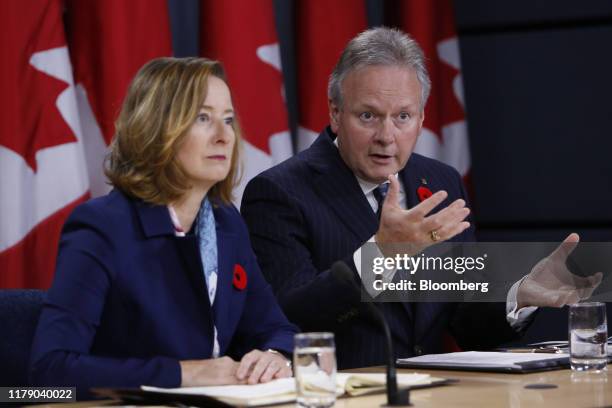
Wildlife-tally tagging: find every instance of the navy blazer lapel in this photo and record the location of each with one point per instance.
(410, 177)
(424, 313)
(189, 252)
(156, 221)
(337, 186)
(407, 179)
(225, 297)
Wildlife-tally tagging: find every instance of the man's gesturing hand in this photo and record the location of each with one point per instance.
(550, 283)
(413, 230)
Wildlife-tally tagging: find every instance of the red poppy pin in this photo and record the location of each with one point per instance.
(240, 277)
(423, 193)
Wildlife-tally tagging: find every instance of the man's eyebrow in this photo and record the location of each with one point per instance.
(368, 106)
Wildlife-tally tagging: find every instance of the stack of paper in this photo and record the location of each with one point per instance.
(283, 390)
(493, 361)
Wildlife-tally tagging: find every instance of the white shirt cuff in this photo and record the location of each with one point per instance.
(517, 318)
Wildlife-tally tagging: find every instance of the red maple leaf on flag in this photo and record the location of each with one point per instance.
(29, 118)
(42, 172)
(443, 106)
(444, 134)
(432, 25)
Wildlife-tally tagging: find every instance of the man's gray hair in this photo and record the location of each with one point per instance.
(379, 46)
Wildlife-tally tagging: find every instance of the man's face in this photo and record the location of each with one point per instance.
(379, 120)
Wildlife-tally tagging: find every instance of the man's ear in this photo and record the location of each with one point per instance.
(334, 115)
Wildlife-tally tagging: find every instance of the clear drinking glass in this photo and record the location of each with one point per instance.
(314, 367)
(588, 335)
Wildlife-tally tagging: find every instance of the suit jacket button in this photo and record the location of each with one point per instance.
(418, 350)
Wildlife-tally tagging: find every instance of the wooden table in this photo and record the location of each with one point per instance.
(478, 389)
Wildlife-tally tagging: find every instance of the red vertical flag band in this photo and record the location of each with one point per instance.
(444, 136)
(323, 30)
(109, 41)
(242, 35)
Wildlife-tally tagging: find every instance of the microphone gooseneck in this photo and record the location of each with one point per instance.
(395, 398)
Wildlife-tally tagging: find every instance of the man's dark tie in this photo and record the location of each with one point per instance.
(380, 193)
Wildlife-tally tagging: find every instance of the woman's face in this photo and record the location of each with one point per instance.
(206, 152)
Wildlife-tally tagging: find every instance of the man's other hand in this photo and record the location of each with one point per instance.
(551, 284)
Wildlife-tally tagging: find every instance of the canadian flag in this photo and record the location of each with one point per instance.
(54, 131)
(42, 168)
(323, 30)
(109, 41)
(444, 136)
(253, 68)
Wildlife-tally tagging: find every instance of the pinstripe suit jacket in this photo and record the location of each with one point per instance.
(309, 212)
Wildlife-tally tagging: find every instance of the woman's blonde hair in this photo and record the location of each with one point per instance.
(162, 103)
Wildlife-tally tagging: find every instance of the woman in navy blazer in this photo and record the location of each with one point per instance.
(156, 283)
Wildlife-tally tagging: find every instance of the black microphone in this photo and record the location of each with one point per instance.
(395, 397)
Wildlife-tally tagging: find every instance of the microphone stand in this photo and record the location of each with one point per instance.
(395, 397)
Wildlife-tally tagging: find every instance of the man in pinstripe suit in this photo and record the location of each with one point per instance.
(321, 206)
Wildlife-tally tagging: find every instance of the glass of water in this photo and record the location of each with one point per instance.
(588, 333)
(314, 367)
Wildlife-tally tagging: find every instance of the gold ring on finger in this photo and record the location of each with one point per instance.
(435, 237)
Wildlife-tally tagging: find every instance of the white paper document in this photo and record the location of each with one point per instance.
(482, 359)
(276, 391)
(284, 390)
